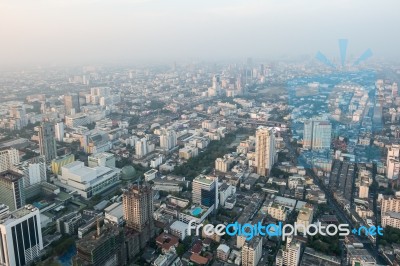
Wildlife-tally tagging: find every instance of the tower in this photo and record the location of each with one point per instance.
(265, 150)
(47, 143)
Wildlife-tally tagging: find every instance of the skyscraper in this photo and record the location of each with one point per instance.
(138, 211)
(20, 237)
(71, 103)
(47, 143)
(205, 191)
(265, 150)
(12, 191)
(317, 135)
(8, 158)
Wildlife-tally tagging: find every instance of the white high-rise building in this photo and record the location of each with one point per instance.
(393, 162)
(168, 140)
(20, 237)
(265, 150)
(252, 252)
(59, 131)
(290, 256)
(141, 148)
(317, 135)
(33, 170)
(8, 158)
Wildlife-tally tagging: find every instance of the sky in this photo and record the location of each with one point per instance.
(73, 32)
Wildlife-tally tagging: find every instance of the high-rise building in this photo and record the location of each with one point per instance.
(12, 191)
(59, 131)
(168, 140)
(393, 162)
(101, 247)
(33, 170)
(141, 148)
(290, 255)
(71, 103)
(205, 191)
(265, 150)
(252, 252)
(8, 158)
(138, 211)
(317, 135)
(20, 237)
(47, 142)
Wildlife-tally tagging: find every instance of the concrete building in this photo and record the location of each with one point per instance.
(47, 142)
(277, 211)
(58, 163)
(222, 164)
(8, 158)
(252, 252)
(265, 150)
(12, 192)
(168, 140)
(103, 159)
(114, 214)
(138, 211)
(141, 148)
(69, 223)
(179, 229)
(317, 135)
(223, 252)
(290, 255)
(188, 152)
(305, 217)
(87, 181)
(21, 237)
(71, 103)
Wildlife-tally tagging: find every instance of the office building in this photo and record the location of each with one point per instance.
(188, 152)
(12, 191)
(47, 142)
(252, 252)
(59, 131)
(138, 211)
(20, 237)
(205, 191)
(71, 103)
(265, 150)
(8, 158)
(317, 135)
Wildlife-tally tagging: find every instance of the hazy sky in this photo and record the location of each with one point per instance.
(34, 32)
